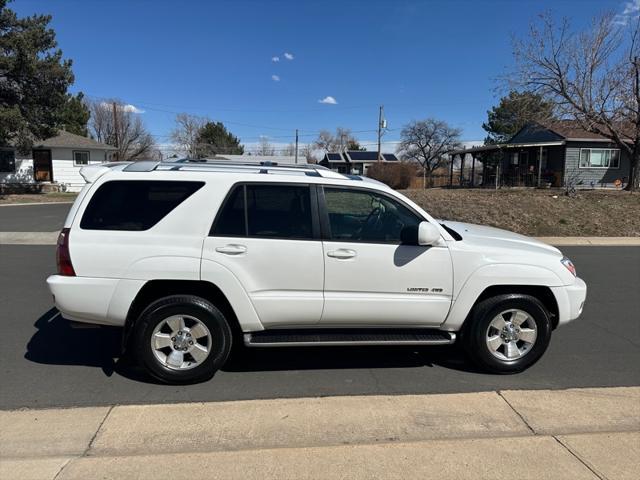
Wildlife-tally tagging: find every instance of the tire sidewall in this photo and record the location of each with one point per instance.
(486, 312)
(183, 305)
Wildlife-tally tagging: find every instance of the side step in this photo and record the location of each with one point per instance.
(345, 337)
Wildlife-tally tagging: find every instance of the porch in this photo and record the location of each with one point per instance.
(511, 165)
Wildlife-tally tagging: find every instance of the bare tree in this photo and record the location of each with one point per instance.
(592, 77)
(428, 142)
(307, 152)
(265, 148)
(115, 123)
(186, 133)
(342, 140)
(289, 150)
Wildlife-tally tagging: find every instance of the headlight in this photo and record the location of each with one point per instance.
(569, 265)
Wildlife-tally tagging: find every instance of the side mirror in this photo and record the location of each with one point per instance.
(422, 234)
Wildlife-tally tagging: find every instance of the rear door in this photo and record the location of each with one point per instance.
(268, 236)
(370, 278)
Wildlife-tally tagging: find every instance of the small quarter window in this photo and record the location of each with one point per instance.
(80, 158)
(134, 204)
(231, 221)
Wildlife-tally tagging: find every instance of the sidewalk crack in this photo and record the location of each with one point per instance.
(577, 457)
(89, 445)
(516, 412)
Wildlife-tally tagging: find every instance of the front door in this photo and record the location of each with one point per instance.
(267, 236)
(370, 278)
(42, 166)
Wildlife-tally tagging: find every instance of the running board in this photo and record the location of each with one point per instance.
(346, 337)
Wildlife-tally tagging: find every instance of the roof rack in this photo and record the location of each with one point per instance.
(312, 170)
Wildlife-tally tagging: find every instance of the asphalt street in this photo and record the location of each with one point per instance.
(33, 218)
(43, 362)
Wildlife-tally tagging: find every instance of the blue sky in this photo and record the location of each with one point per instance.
(418, 58)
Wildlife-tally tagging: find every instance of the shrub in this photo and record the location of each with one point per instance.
(397, 175)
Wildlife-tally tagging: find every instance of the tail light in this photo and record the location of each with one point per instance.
(63, 258)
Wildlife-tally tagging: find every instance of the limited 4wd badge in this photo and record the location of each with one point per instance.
(423, 290)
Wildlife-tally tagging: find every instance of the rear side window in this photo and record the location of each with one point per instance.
(267, 211)
(134, 204)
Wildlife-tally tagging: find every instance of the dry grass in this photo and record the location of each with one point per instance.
(37, 197)
(538, 212)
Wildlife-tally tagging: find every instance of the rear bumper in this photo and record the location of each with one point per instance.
(570, 300)
(103, 301)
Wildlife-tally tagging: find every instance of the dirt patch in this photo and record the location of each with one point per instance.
(598, 213)
(37, 198)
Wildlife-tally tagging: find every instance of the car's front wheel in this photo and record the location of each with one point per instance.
(507, 333)
(182, 339)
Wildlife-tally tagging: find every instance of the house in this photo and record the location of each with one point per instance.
(52, 163)
(354, 162)
(557, 154)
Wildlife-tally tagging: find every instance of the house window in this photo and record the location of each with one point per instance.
(80, 157)
(599, 158)
(7, 161)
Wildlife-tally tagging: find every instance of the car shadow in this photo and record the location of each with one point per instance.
(245, 359)
(56, 342)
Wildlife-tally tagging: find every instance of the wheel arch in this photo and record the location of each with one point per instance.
(156, 289)
(541, 292)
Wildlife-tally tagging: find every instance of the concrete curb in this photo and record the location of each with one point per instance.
(49, 238)
(33, 203)
(591, 241)
(135, 441)
(28, 238)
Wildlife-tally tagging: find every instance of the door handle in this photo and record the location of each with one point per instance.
(342, 253)
(232, 249)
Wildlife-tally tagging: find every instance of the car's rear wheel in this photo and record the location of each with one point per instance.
(182, 339)
(507, 333)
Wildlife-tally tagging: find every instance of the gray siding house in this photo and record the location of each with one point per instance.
(558, 154)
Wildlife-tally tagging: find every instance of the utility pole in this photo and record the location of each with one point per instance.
(380, 129)
(296, 145)
(115, 128)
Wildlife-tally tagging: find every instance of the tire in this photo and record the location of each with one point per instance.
(203, 339)
(479, 336)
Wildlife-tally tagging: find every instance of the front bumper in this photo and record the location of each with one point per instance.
(570, 300)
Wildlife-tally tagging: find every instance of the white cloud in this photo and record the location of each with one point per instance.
(275, 78)
(275, 59)
(288, 56)
(631, 7)
(126, 108)
(631, 11)
(329, 100)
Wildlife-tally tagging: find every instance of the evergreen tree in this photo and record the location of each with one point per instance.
(214, 138)
(513, 112)
(33, 79)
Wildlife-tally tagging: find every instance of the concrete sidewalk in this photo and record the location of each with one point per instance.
(578, 433)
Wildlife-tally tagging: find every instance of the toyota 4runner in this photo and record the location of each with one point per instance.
(191, 257)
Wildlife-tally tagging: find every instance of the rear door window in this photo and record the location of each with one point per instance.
(267, 211)
(134, 204)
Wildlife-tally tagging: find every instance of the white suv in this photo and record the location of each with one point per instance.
(189, 257)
